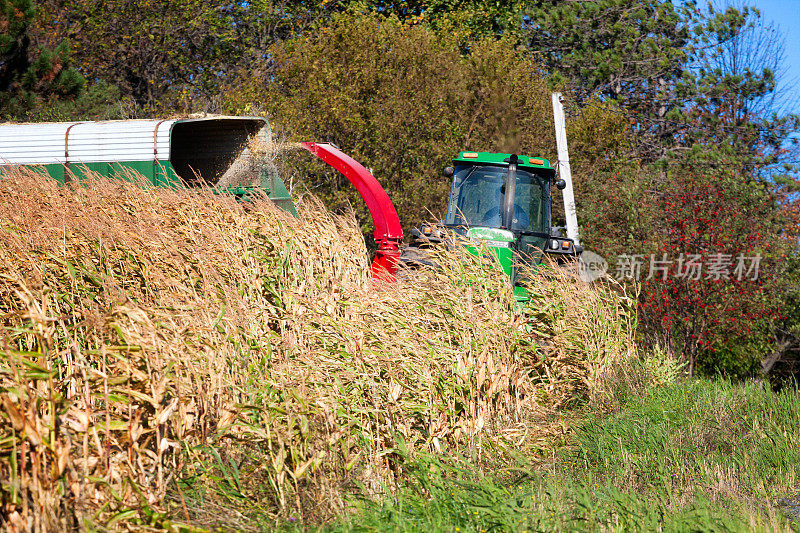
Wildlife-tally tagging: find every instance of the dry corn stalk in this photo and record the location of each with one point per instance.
(156, 342)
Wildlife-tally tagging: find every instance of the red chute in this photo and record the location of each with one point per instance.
(388, 233)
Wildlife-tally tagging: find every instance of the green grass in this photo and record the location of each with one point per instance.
(692, 456)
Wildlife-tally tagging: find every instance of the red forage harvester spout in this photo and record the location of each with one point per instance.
(388, 233)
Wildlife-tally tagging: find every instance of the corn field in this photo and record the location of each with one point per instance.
(170, 357)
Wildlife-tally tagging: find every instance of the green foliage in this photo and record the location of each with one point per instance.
(685, 75)
(40, 83)
(621, 48)
(736, 355)
(153, 51)
(175, 55)
(404, 100)
(15, 16)
(467, 20)
(790, 278)
(98, 101)
(47, 78)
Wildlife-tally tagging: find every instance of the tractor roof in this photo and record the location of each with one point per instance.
(489, 158)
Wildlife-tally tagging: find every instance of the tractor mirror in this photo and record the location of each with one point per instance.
(448, 172)
(561, 185)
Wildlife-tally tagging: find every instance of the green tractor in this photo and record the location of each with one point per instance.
(504, 201)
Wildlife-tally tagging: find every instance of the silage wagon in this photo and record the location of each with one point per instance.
(191, 152)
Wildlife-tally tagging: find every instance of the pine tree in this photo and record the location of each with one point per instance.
(39, 82)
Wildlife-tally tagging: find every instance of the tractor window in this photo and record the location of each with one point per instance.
(476, 198)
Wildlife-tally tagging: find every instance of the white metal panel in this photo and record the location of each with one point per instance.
(33, 144)
(564, 170)
(129, 140)
(86, 142)
(119, 140)
(163, 134)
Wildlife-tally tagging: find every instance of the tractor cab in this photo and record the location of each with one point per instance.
(504, 201)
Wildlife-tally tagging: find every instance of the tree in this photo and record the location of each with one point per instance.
(15, 17)
(404, 100)
(466, 20)
(714, 302)
(175, 55)
(39, 81)
(627, 50)
(683, 75)
(154, 51)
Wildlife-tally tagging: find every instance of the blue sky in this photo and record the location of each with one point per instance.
(786, 15)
